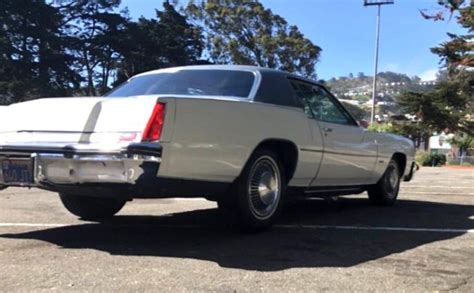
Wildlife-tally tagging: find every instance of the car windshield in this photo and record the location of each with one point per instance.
(201, 82)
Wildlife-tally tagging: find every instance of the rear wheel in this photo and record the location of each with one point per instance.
(259, 192)
(91, 208)
(385, 192)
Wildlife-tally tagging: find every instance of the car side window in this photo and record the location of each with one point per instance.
(304, 92)
(319, 104)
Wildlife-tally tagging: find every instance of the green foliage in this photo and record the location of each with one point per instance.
(70, 47)
(421, 156)
(245, 32)
(90, 29)
(34, 60)
(388, 84)
(357, 112)
(361, 98)
(67, 47)
(435, 160)
(457, 52)
(390, 76)
(449, 105)
(409, 129)
(425, 158)
(387, 127)
(464, 142)
(152, 44)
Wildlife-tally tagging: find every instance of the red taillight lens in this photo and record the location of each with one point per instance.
(155, 124)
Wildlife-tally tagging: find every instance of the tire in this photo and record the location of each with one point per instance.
(258, 194)
(385, 192)
(91, 208)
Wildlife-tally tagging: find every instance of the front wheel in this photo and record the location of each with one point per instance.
(91, 208)
(259, 191)
(385, 192)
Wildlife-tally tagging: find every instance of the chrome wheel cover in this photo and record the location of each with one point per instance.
(392, 180)
(264, 187)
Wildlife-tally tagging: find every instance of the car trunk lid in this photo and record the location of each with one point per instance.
(76, 120)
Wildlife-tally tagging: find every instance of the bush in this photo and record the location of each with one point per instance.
(426, 159)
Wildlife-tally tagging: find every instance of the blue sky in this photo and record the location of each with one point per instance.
(345, 30)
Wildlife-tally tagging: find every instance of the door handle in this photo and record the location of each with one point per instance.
(327, 129)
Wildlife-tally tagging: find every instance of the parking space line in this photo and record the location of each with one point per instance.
(437, 193)
(282, 226)
(434, 186)
(33, 225)
(377, 228)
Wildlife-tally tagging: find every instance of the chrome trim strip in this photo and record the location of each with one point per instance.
(349, 154)
(311, 150)
(333, 190)
(145, 148)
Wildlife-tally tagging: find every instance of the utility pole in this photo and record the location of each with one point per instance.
(379, 3)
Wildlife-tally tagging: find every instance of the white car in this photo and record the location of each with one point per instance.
(246, 137)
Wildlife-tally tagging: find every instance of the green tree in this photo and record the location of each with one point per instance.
(458, 51)
(356, 111)
(245, 32)
(34, 57)
(464, 142)
(93, 30)
(164, 42)
(449, 105)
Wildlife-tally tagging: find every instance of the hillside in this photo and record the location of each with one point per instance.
(357, 90)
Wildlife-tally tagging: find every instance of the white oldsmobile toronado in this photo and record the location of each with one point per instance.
(247, 137)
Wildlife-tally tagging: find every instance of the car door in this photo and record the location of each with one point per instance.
(348, 158)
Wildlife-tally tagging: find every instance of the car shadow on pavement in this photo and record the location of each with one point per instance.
(201, 234)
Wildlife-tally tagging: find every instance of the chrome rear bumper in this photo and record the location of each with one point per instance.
(78, 164)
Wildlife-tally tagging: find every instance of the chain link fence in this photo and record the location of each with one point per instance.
(462, 161)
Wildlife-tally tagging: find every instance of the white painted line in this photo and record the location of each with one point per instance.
(435, 186)
(404, 229)
(304, 226)
(186, 199)
(437, 193)
(34, 225)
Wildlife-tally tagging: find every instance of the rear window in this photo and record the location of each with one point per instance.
(201, 82)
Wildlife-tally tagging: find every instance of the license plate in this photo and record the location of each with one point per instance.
(18, 171)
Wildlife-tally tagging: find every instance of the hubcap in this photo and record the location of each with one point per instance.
(392, 179)
(264, 187)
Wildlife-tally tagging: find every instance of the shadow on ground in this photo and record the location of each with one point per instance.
(202, 235)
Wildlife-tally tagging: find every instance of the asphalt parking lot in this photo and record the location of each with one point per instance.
(424, 243)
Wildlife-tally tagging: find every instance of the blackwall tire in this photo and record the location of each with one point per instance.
(385, 192)
(260, 191)
(91, 208)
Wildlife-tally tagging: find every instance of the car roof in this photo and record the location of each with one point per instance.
(262, 70)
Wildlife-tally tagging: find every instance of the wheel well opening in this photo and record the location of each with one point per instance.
(401, 159)
(286, 151)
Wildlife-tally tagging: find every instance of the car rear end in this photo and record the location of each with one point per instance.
(71, 143)
(87, 145)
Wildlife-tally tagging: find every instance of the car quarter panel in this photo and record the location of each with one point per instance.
(388, 145)
(213, 138)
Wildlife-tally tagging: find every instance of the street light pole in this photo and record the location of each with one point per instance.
(379, 3)
(376, 62)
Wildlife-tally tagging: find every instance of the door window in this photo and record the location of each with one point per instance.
(319, 104)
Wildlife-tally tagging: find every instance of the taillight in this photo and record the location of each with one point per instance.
(155, 123)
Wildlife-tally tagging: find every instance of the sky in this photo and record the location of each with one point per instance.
(345, 30)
